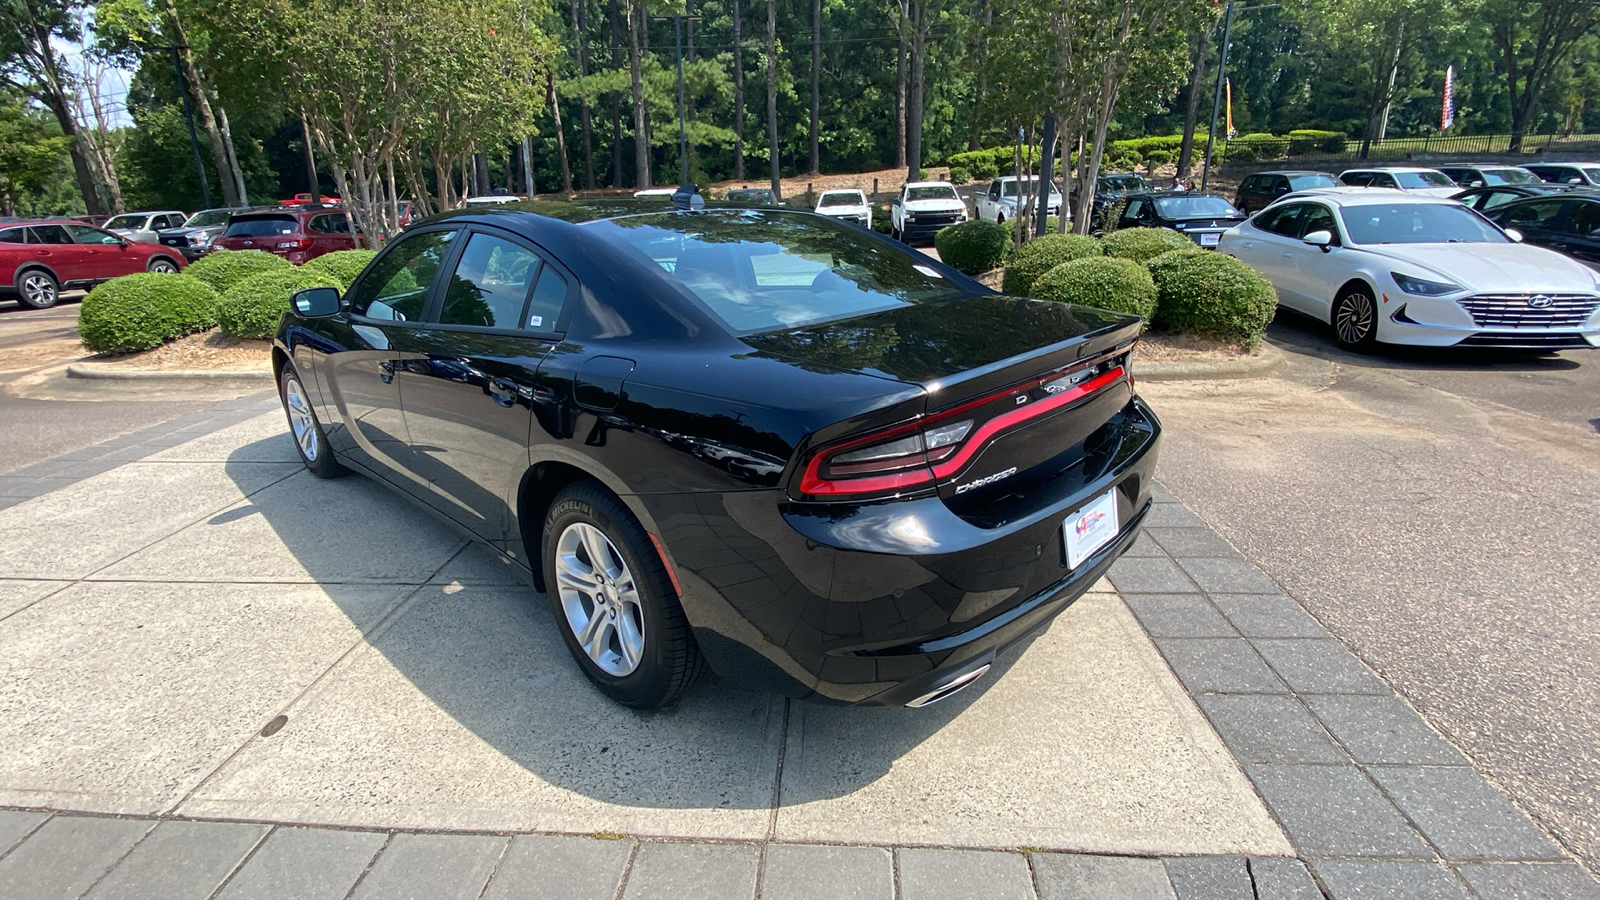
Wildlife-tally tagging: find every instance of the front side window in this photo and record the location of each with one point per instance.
(1538, 213)
(1493, 199)
(490, 285)
(761, 271)
(1318, 218)
(1136, 208)
(1586, 220)
(1416, 223)
(83, 234)
(396, 286)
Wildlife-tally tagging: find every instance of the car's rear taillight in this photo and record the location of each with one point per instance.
(296, 244)
(920, 454)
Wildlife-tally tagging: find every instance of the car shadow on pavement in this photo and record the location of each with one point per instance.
(479, 645)
(1296, 332)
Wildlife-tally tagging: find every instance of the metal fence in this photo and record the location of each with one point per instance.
(1247, 150)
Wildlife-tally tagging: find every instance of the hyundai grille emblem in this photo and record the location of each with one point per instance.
(1540, 301)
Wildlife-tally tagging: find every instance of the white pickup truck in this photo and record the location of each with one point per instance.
(999, 203)
(850, 205)
(923, 208)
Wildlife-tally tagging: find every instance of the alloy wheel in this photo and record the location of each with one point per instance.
(600, 599)
(163, 267)
(301, 419)
(38, 290)
(1356, 318)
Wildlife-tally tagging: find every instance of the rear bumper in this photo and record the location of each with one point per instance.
(880, 603)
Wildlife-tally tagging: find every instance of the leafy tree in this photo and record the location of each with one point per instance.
(31, 62)
(33, 157)
(1534, 38)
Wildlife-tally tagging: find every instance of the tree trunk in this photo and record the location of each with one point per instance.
(202, 108)
(480, 174)
(900, 87)
(233, 156)
(580, 28)
(561, 136)
(641, 123)
(311, 161)
(974, 135)
(738, 98)
(53, 95)
(616, 98)
(100, 149)
(772, 95)
(394, 196)
(816, 85)
(919, 56)
(1192, 114)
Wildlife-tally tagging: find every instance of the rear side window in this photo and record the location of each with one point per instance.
(262, 226)
(50, 234)
(1284, 220)
(396, 286)
(13, 235)
(549, 293)
(329, 224)
(489, 287)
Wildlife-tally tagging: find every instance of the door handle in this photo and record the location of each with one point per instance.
(386, 371)
(503, 391)
(1287, 254)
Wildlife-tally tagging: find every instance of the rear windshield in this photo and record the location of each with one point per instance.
(766, 270)
(842, 198)
(1415, 180)
(1417, 223)
(1311, 182)
(262, 226)
(1194, 207)
(127, 221)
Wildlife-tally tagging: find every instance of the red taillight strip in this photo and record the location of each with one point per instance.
(813, 483)
(976, 440)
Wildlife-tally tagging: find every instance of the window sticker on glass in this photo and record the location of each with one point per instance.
(535, 321)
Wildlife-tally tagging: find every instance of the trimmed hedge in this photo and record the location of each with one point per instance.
(222, 269)
(341, 265)
(959, 175)
(1042, 254)
(974, 246)
(1140, 244)
(1211, 294)
(138, 312)
(1120, 285)
(251, 309)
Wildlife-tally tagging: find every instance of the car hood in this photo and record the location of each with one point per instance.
(1445, 192)
(934, 205)
(845, 210)
(1490, 268)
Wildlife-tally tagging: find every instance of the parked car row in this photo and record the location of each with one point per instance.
(40, 258)
(1261, 188)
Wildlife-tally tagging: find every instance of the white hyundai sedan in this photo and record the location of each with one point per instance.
(1392, 267)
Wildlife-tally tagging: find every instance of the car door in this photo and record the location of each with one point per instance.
(1135, 214)
(1316, 273)
(102, 254)
(1271, 246)
(70, 260)
(1582, 238)
(469, 386)
(1539, 221)
(384, 307)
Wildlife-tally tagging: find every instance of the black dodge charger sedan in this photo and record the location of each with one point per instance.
(766, 441)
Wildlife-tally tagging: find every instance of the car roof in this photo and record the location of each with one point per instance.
(1391, 169)
(1359, 196)
(1293, 172)
(1473, 165)
(1162, 195)
(1568, 164)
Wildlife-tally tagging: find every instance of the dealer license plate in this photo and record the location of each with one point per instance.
(1090, 528)
(1209, 240)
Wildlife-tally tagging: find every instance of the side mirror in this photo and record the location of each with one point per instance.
(1515, 235)
(1476, 183)
(1323, 239)
(316, 302)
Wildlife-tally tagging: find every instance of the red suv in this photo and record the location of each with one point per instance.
(39, 259)
(294, 234)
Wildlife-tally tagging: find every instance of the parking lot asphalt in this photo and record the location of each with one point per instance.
(1436, 512)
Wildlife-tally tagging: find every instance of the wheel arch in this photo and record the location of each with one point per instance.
(537, 490)
(35, 266)
(1359, 281)
(151, 260)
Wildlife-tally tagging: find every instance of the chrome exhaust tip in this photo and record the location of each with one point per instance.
(949, 687)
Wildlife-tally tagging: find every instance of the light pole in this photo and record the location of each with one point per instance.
(188, 113)
(683, 138)
(1216, 100)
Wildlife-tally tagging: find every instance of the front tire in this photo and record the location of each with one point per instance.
(38, 289)
(310, 441)
(614, 602)
(162, 266)
(1355, 319)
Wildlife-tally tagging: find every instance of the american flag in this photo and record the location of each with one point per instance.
(1447, 115)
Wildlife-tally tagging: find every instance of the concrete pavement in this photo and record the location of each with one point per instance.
(273, 678)
(1437, 514)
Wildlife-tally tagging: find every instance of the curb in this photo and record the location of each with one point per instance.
(109, 372)
(1259, 366)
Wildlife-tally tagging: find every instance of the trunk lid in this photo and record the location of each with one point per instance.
(1025, 384)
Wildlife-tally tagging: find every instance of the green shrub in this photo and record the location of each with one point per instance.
(251, 309)
(1120, 285)
(1267, 146)
(1305, 140)
(959, 175)
(1211, 294)
(1236, 152)
(1155, 159)
(1042, 254)
(973, 247)
(882, 222)
(341, 265)
(985, 170)
(1140, 244)
(222, 269)
(138, 312)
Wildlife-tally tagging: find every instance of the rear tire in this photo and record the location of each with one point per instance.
(1355, 319)
(310, 441)
(38, 289)
(613, 601)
